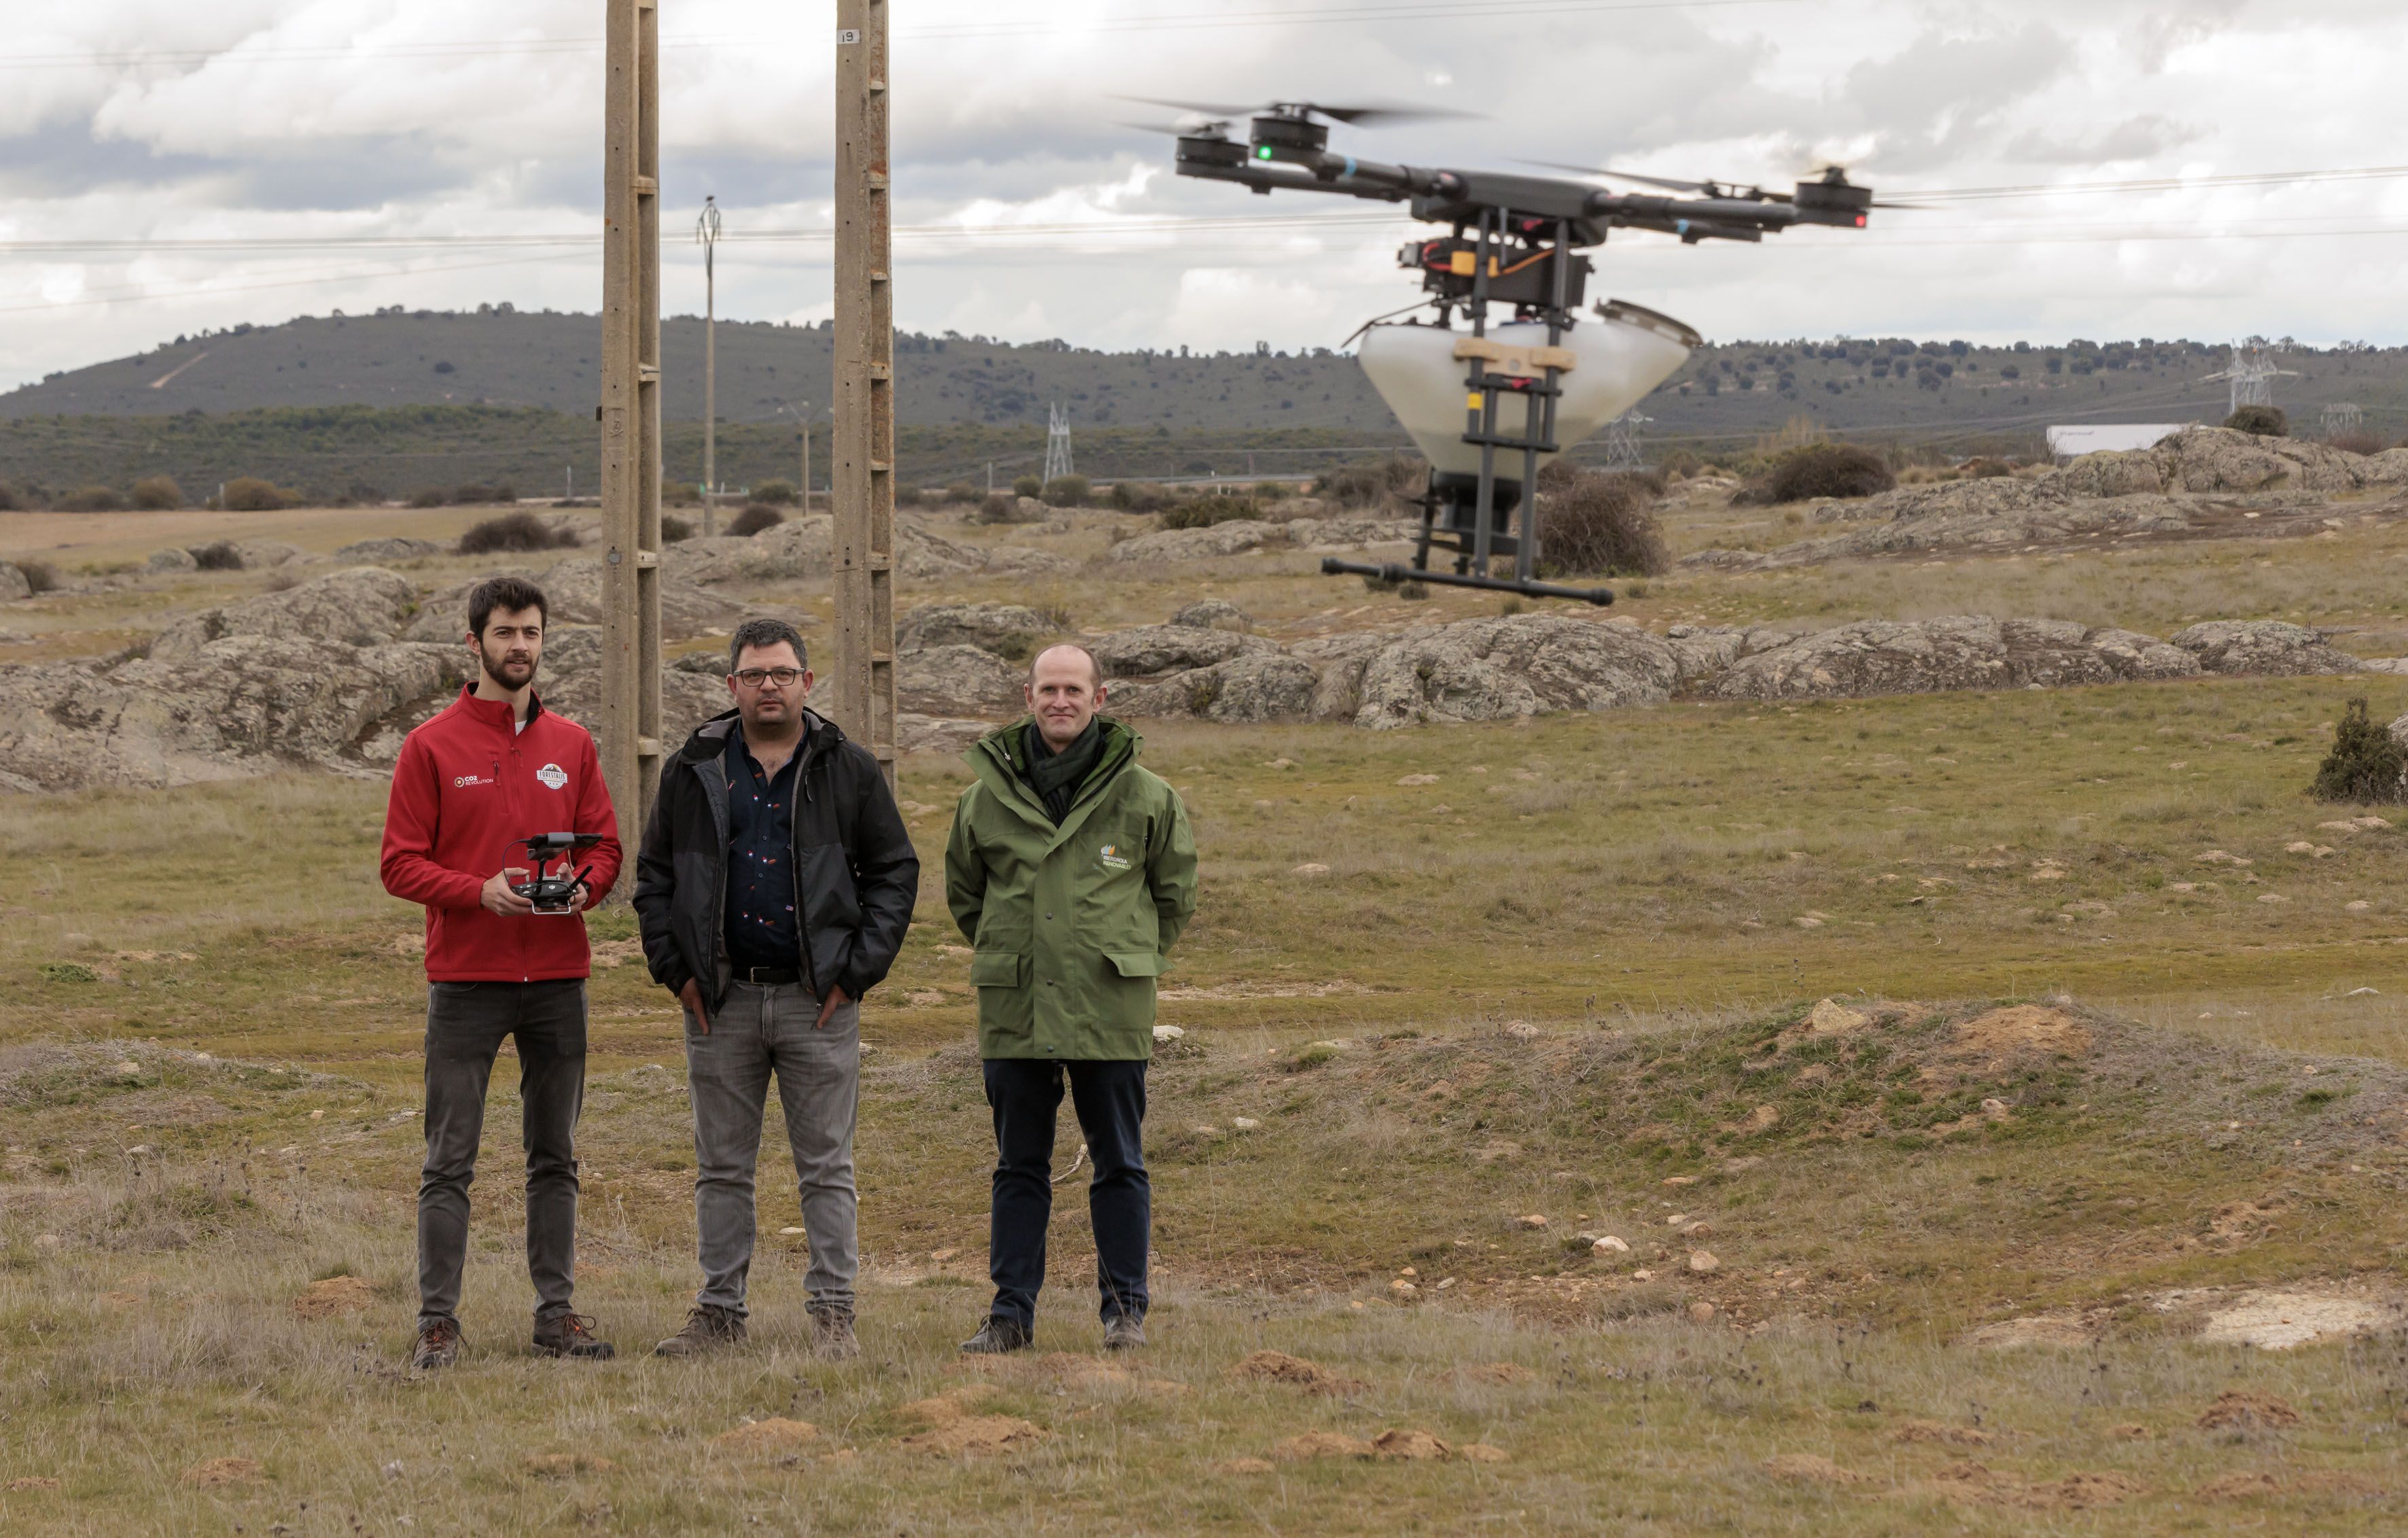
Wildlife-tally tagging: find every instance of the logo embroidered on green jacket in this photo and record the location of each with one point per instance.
(1113, 859)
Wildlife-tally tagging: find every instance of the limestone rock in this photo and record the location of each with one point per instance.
(1214, 614)
(387, 548)
(2261, 647)
(13, 582)
(172, 559)
(1521, 665)
(1956, 652)
(994, 626)
(1150, 650)
(1265, 685)
(687, 700)
(365, 606)
(957, 678)
(918, 733)
(1233, 537)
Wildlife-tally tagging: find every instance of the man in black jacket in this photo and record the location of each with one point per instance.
(774, 887)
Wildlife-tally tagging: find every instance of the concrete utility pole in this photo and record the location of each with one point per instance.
(862, 482)
(706, 230)
(628, 729)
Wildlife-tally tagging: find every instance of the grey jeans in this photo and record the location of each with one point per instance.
(760, 1031)
(465, 1023)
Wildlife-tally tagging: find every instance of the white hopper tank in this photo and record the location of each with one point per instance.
(1619, 354)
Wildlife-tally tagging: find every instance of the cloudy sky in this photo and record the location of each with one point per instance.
(283, 135)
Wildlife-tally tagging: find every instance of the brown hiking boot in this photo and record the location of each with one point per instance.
(998, 1336)
(707, 1328)
(438, 1345)
(832, 1337)
(570, 1335)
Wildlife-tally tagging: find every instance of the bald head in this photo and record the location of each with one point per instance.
(1064, 690)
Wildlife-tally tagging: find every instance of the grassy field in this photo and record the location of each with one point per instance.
(1567, 978)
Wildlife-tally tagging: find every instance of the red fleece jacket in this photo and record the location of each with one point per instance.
(467, 786)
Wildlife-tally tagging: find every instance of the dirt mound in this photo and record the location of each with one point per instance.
(334, 1296)
(216, 1473)
(1312, 1444)
(1296, 1372)
(2019, 1030)
(2245, 1409)
(975, 1435)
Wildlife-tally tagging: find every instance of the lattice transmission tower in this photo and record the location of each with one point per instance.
(1057, 444)
(2252, 371)
(2342, 416)
(1622, 441)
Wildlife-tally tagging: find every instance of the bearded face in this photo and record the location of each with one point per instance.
(510, 647)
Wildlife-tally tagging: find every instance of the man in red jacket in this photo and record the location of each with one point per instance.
(495, 768)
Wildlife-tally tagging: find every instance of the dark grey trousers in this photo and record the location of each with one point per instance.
(465, 1023)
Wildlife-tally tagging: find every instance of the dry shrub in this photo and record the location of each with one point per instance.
(41, 576)
(91, 499)
(1136, 496)
(219, 556)
(2359, 442)
(1601, 524)
(1067, 491)
(2365, 766)
(432, 497)
(11, 501)
(1397, 477)
(1001, 507)
(674, 528)
(513, 531)
(756, 517)
(777, 493)
(2260, 421)
(961, 490)
(1829, 469)
(158, 494)
(250, 494)
(1205, 512)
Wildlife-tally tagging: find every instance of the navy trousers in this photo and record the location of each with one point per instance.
(1109, 1098)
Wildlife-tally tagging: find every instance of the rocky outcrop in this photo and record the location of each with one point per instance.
(805, 547)
(13, 582)
(389, 547)
(960, 678)
(2261, 648)
(572, 589)
(1959, 652)
(1214, 614)
(1524, 664)
(363, 606)
(1265, 685)
(1239, 535)
(172, 559)
(999, 628)
(1150, 650)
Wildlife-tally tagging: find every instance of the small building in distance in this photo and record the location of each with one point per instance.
(2071, 442)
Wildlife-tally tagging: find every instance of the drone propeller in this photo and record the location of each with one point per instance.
(1707, 189)
(1213, 126)
(1360, 117)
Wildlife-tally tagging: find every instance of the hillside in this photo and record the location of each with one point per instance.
(397, 400)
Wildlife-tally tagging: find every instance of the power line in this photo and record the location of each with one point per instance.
(2153, 184)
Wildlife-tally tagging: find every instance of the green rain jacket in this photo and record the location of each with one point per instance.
(1071, 923)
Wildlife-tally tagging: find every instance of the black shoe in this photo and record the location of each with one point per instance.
(1124, 1332)
(438, 1345)
(570, 1335)
(998, 1336)
(707, 1328)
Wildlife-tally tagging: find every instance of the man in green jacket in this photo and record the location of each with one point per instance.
(1072, 872)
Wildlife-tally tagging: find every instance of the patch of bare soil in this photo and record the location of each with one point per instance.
(1296, 1372)
(2021, 1030)
(217, 1472)
(1934, 1432)
(32, 1482)
(2037, 1329)
(2244, 1409)
(2245, 1487)
(562, 1465)
(1312, 1444)
(1976, 1484)
(776, 1434)
(334, 1296)
(954, 1429)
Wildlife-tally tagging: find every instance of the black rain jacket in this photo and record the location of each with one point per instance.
(856, 874)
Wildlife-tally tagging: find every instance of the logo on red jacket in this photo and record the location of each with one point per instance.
(552, 775)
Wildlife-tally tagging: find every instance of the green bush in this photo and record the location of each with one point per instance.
(91, 499)
(2365, 766)
(777, 493)
(756, 517)
(1067, 491)
(1829, 469)
(1028, 485)
(1140, 497)
(1598, 522)
(250, 494)
(513, 531)
(68, 971)
(2260, 421)
(158, 494)
(1205, 512)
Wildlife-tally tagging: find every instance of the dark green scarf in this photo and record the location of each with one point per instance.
(1057, 776)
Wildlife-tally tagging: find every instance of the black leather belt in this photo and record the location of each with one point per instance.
(768, 977)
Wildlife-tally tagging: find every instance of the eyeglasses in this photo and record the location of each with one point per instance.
(785, 677)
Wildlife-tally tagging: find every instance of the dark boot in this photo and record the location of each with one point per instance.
(998, 1336)
(832, 1337)
(438, 1345)
(707, 1328)
(570, 1335)
(1124, 1332)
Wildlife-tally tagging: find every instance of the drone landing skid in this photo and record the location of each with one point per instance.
(1392, 571)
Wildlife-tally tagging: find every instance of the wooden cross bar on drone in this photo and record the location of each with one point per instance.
(628, 732)
(862, 700)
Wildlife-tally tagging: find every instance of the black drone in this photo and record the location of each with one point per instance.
(1515, 241)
